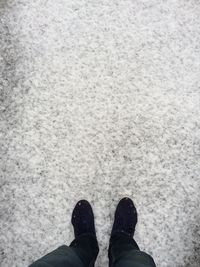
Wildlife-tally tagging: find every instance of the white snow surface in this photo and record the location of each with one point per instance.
(100, 100)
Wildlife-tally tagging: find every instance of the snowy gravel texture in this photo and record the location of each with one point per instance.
(99, 99)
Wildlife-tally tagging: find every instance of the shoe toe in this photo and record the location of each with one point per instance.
(81, 208)
(126, 203)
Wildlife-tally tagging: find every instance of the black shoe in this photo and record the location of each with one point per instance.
(125, 217)
(83, 219)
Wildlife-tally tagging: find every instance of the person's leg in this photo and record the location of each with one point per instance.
(83, 250)
(60, 257)
(87, 249)
(123, 250)
(120, 243)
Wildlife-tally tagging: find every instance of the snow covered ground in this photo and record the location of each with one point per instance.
(100, 99)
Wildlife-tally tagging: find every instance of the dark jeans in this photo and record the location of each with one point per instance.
(83, 251)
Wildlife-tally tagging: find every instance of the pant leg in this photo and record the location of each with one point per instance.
(124, 252)
(82, 252)
(87, 249)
